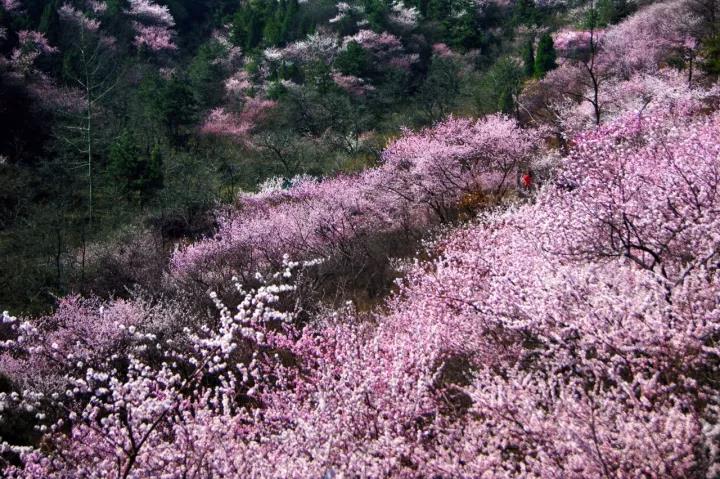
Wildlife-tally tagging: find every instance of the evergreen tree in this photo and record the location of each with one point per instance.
(441, 89)
(422, 6)
(175, 107)
(506, 103)
(255, 27)
(50, 22)
(605, 12)
(377, 13)
(464, 29)
(545, 56)
(115, 7)
(525, 13)
(126, 164)
(288, 31)
(353, 60)
(205, 75)
(439, 9)
(138, 175)
(274, 16)
(528, 56)
(249, 23)
(608, 12)
(499, 87)
(711, 55)
(153, 179)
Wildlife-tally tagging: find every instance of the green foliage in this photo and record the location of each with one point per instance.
(525, 13)
(438, 9)
(318, 76)
(126, 163)
(272, 31)
(154, 175)
(354, 60)
(440, 91)
(290, 28)
(499, 87)
(377, 11)
(115, 7)
(139, 175)
(50, 22)
(528, 56)
(506, 101)
(711, 55)
(608, 12)
(248, 25)
(260, 23)
(205, 75)
(459, 23)
(175, 107)
(422, 6)
(465, 30)
(545, 58)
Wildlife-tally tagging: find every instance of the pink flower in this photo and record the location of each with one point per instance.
(154, 37)
(153, 25)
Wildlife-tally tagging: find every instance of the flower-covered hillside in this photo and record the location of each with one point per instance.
(569, 328)
(576, 336)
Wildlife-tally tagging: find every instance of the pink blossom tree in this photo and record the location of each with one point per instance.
(237, 126)
(591, 82)
(10, 5)
(422, 180)
(384, 47)
(153, 25)
(31, 46)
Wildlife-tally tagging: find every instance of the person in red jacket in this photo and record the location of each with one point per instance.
(527, 180)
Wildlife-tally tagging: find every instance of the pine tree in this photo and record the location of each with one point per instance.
(353, 60)
(139, 175)
(528, 59)
(249, 24)
(422, 6)
(464, 30)
(153, 178)
(175, 107)
(525, 13)
(439, 9)
(255, 28)
(506, 102)
(377, 13)
(126, 164)
(50, 22)
(274, 15)
(605, 12)
(608, 12)
(711, 55)
(545, 56)
(204, 74)
(288, 31)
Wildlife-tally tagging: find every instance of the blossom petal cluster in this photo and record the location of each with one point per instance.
(153, 25)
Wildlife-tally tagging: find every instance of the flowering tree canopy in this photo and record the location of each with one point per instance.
(153, 25)
(423, 177)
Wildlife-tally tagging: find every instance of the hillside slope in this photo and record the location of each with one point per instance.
(563, 321)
